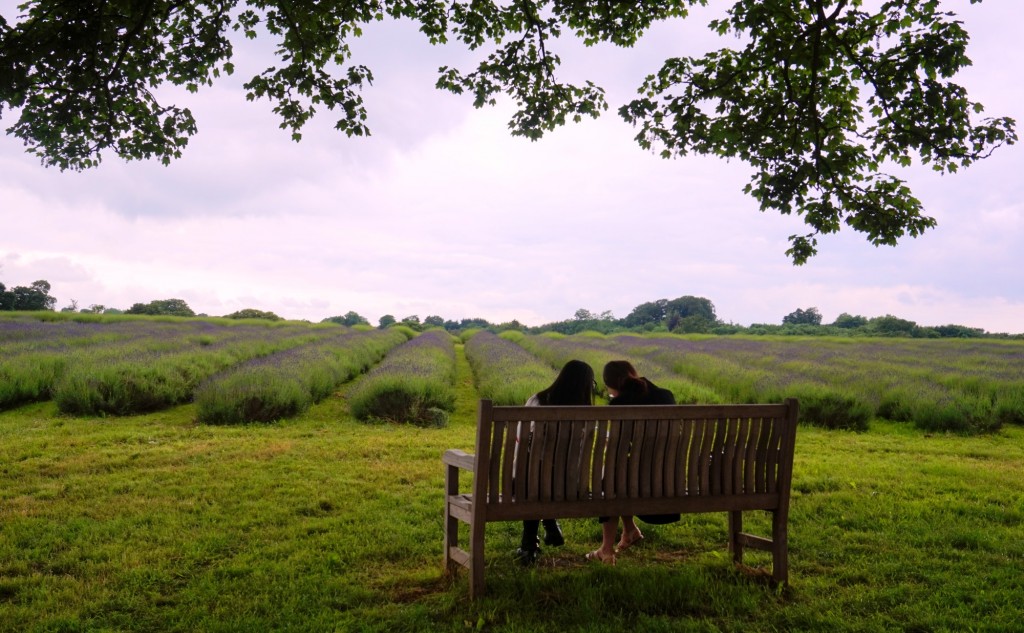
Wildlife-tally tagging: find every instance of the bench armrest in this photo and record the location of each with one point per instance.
(459, 459)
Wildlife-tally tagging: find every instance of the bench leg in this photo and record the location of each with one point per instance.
(451, 539)
(476, 559)
(780, 547)
(451, 528)
(735, 527)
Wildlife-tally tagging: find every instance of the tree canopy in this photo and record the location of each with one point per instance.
(34, 297)
(166, 307)
(810, 316)
(253, 313)
(350, 318)
(820, 97)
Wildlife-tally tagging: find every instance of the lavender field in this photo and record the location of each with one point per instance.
(240, 371)
(123, 366)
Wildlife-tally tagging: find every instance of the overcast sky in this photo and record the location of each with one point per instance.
(442, 212)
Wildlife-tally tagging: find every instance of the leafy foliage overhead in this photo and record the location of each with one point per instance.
(820, 97)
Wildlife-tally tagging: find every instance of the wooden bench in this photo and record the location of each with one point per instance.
(590, 461)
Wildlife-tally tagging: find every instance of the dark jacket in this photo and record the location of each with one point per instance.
(654, 394)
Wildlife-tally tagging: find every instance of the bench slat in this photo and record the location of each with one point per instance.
(547, 464)
(716, 459)
(611, 461)
(738, 456)
(772, 459)
(597, 463)
(636, 454)
(563, 445)
(520, 462)
(704, 463)
(497, 449)
(750, 461)
(508, 460)
(534, 452)
(622, 458)
(649, 471)
(586, 455)
(728, 455)
(668, 470)
(761, 470)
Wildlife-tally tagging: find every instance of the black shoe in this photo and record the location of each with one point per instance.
(553, 534)
(527, 555)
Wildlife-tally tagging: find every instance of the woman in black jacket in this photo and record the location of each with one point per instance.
(625, 386)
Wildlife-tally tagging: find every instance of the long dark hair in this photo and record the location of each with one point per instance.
(621, 376)
(574, 385)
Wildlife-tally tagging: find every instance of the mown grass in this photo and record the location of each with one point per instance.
(323, 523)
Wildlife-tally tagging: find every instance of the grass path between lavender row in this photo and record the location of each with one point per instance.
(323, 523)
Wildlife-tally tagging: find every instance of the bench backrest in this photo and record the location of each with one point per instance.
(530, 456)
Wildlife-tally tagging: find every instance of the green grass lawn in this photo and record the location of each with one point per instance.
(324, 523)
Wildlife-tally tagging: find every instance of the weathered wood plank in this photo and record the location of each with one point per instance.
(642, 465)
(622, 458)
(693, 460)
(760, 470)
(704, 460)
(494, 472)
(750, 465)
(715, 461)
(508, 460)
(598, 464)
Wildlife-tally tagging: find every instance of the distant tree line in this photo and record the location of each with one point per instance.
(808, 322)
(689, 314)
(683, 315)
(413, 321)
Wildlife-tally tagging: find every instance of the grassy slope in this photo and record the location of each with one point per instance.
(154, 523)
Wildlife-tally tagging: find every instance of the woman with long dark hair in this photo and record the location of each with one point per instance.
(574, 385)
(626, 386)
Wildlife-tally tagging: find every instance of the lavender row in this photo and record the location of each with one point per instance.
(415, 383)
(505, 372)
(287, 383)
(147, 377)
(33, 370)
